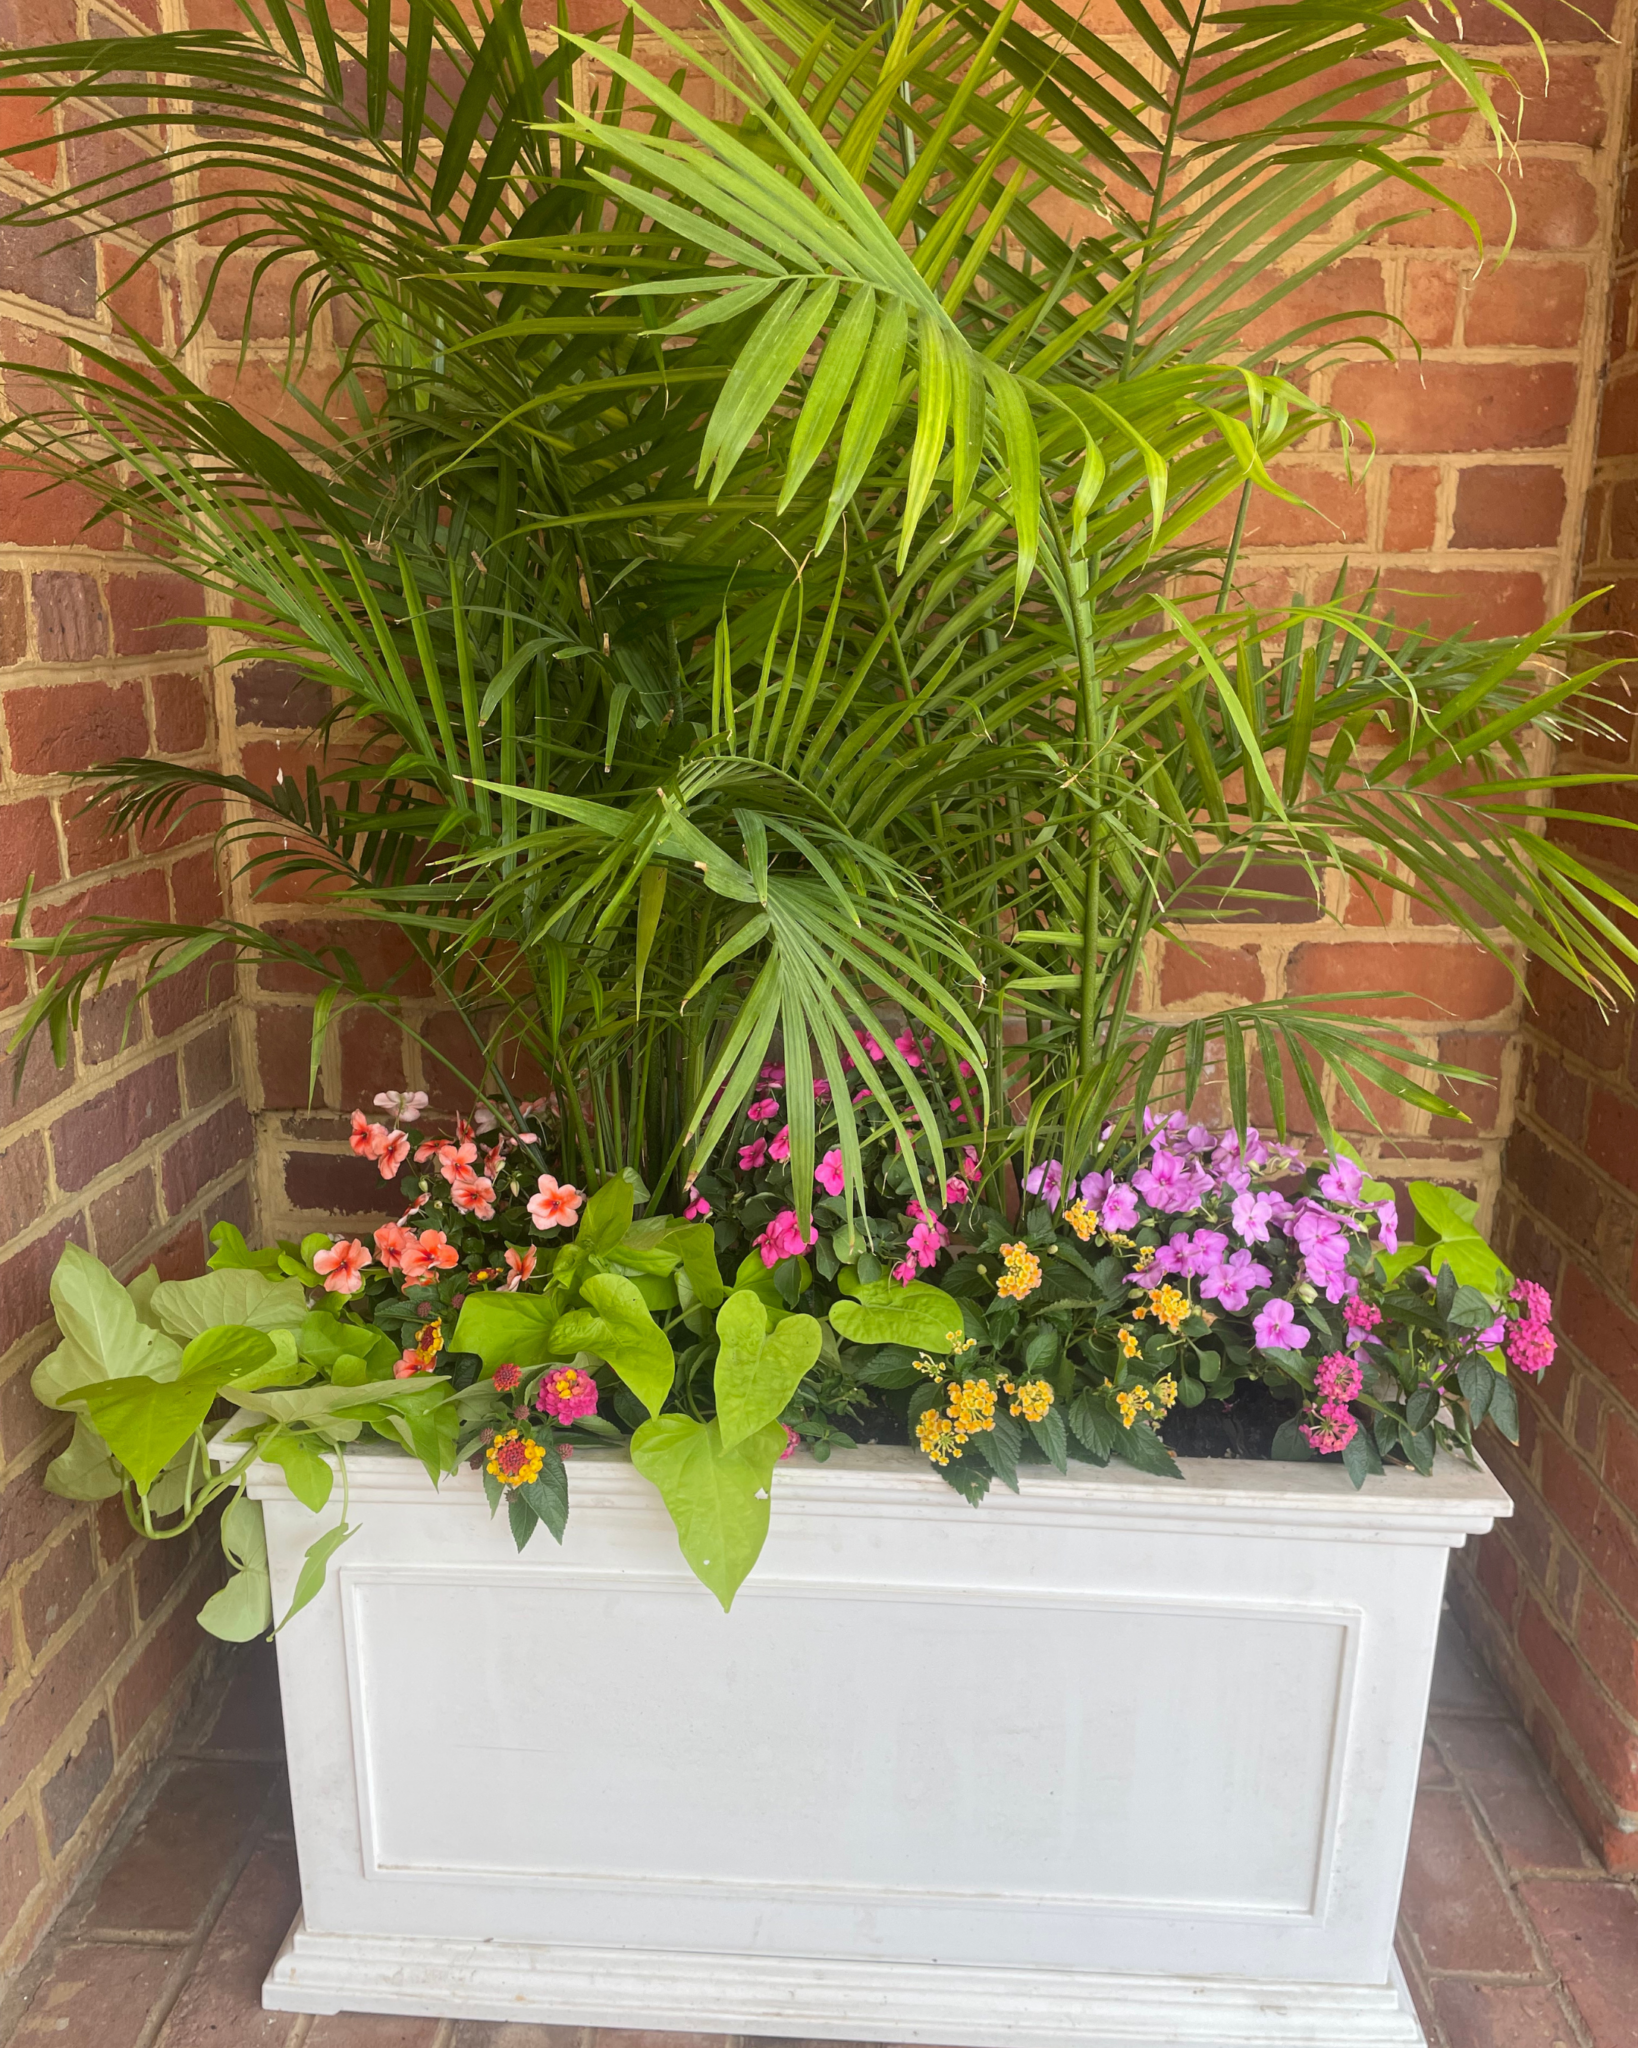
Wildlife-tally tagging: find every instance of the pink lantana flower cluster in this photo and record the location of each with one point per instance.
(1329, 1423)
(1529, 1342)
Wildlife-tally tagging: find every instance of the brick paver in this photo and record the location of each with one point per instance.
(1512, 1934)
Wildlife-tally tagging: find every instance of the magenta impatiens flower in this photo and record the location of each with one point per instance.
(829, 1173)
(753, 1155)
(780, 1147)
(760, 1112)
(783, 1239)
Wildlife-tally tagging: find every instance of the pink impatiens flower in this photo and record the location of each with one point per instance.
(392, 1154)
(906, 1044)
(956, 1191)
(904, 1272)
(1276, 1328)
(473, 1196)
(554, 1205)
(390, 1241)
(567, 1394)
(519, 1267)
(753, 1155)
(926, 1241)
(780, 1147)
(783, 1239)
(368, 1140)
(793, 1443)
(343, 1266)
(426, 1255)
(454, 1160)
(760, 1112)
(403, 1105)
(697, 1205)
(829, 1173)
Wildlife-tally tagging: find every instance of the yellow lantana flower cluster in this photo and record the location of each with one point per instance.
(969, 1412)
(1168, 1306)
(1082, 1220)
(1152, 1403)
(1030, 1398)
(1023, 1274)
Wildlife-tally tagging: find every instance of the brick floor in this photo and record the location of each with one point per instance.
(1512, 1934)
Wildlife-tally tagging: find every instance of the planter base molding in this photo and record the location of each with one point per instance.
(951, 2005)
(1116, 1762)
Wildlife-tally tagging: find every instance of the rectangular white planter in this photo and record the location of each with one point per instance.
(1118, 1761)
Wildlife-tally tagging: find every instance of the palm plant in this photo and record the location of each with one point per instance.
(768, 546)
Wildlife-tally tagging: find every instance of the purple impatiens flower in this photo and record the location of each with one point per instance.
(1276, 1327)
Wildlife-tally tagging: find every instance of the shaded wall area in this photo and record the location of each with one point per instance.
(1552, 1596)
(142, 1138)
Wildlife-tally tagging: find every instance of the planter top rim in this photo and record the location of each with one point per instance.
(892, 1480)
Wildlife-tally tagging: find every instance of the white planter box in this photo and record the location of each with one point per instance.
(1117, 1762)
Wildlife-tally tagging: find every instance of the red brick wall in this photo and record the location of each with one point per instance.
(143, 1136)
(1475, 501)
(1469, 515)
(1553, 1595)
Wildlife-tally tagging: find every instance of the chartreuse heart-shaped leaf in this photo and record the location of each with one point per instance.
(84, 1471)
(1446, 1236)
(758, 1370)
(186, 1308)
(244, 1606)
(103, 1336)
(689, 1245)
(145, 1421)
(718, 1499)
(505, 1329)
(921, 1316)
(308, 1472)
(606, 1217)
(619, 1329)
